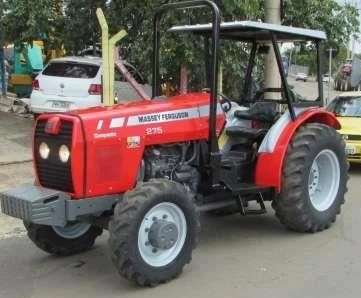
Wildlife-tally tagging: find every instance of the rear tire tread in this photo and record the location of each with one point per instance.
(290, 206)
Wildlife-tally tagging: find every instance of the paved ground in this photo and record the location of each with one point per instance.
(309, 89)
(237, 256)
(15, 136)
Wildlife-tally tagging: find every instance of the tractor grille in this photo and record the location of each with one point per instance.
(52, 173)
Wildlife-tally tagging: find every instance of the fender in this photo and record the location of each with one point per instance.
(274, 148)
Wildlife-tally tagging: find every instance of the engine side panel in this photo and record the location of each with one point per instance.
(116, 139)
(270, 164)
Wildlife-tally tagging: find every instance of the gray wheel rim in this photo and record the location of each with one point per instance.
(162, 257)
(72, 231)
(324, 180)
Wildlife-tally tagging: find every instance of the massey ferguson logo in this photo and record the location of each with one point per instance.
(162, 117)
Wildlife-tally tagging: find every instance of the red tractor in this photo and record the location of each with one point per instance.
(144, 170)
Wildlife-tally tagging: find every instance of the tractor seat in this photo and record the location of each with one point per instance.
(252, 134)
(262, 112)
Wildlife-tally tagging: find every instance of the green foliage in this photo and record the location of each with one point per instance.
(26, 20)
(81, 25)
(338, 21)
(180, 49)
(2, 33)
(307, 57)
(73, 23)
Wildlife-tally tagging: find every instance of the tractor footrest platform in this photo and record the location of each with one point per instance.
(255, 212)
(245, 188)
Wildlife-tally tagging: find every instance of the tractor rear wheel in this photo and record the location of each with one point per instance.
(314, 181)
(153, 232)
(72, 239)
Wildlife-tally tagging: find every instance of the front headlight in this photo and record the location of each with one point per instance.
(44, 150)
(64, 153)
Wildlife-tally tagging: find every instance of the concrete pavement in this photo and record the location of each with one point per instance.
(237, 257)
(15, 136)
(15, 168)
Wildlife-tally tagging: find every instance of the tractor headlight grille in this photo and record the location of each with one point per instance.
(54, 171)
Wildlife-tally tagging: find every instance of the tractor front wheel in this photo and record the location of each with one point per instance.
(63, 241)
(314, 182)
(153, 232)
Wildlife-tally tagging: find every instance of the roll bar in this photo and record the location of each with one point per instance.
(215, 157)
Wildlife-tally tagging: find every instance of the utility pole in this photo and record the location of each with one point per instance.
(330, 51)
(272, 78)
(290, 61)
(2, 70)
(2, 55)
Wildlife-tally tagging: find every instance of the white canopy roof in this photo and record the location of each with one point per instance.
(254, 31)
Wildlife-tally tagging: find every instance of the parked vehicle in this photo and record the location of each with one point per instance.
(326, 78)
(301, 77)
(347, 108)
(27, 62)
(71, 83)
(145, 170)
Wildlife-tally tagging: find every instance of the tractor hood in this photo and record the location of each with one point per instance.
(107, 143)
(150, 118)
(144, 106)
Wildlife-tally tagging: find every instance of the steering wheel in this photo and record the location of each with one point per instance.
(225, 101)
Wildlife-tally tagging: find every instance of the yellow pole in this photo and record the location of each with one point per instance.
(105, 56)
(112, 42)
(108, 46)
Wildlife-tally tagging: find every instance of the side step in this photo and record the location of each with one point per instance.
(248, 189)
(216, 205)
(240, 203)
(243, 206)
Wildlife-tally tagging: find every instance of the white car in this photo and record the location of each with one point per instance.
(71, 83)
(301, 77)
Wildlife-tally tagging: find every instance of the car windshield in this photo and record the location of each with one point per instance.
(346, 106)
(71, 70)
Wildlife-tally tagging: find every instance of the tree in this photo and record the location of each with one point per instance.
(338, 21)
(2, 24)
(73, 23)
(81, 25)
(2, 61)
(26, 20)
(135, 16)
